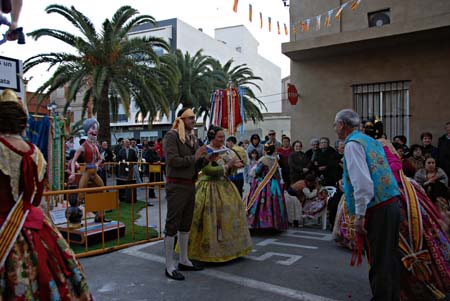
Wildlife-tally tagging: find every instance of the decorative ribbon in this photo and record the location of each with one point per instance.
(261, 185)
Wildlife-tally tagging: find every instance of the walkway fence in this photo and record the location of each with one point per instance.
(122, 204)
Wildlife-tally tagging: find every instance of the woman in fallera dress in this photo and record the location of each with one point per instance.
(266, 206)
(219, 230)
(36, 262)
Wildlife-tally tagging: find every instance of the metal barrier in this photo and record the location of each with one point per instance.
(102, 199)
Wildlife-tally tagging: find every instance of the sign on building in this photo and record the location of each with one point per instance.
(11, 72)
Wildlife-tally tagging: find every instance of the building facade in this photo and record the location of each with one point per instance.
(387, 59)
(234, 42)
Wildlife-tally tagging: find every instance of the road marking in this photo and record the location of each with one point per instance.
(291, 258)
(242, 281)
(318, 236)
(272, 241)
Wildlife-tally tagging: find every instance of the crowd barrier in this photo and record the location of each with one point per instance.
(92, 238)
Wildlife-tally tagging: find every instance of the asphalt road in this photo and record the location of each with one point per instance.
(300, 264)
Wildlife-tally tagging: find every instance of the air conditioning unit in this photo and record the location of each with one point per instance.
(379, 18)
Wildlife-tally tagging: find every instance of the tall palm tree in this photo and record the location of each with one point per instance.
(238, 76)
(108, 67)
(195, 83)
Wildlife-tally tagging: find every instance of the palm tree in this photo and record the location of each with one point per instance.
(238, 76)
(108, 67)
(195, 83)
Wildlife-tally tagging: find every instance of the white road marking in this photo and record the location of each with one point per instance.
(272, 241)
(247, 282)
(310, 235)
(290, 258)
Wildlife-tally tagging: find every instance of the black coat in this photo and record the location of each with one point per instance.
(132, 156)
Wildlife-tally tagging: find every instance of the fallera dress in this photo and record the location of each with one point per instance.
(266, 206)
(40, 264)
(219, 231)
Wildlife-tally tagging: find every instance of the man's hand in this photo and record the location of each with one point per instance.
(359, 224)
(200, 151)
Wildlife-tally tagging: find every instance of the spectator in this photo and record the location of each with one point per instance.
(150, 156)
(283, 159)
(159, 149)
(255, 144)
(70, 145)
(238, 177)
(327, 162)
(416, 160)
(401, 139)
(253, 161)
(107, 156)
(126, 154)
(430, 174)
(427, 147)
(297, 163)
(118, 147)
(311, 155)
(444, 150)
(273, 139)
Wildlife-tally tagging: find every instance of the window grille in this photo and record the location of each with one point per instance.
(387, 101)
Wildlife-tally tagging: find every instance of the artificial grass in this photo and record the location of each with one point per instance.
(140, 232)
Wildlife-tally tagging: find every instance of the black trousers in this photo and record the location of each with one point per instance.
(383, 236)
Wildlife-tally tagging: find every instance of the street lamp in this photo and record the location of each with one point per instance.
(51, 107)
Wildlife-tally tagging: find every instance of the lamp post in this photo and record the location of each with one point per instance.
(51, 107)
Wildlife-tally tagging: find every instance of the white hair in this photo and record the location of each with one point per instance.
(348, 117)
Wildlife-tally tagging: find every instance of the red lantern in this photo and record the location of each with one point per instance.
(292, 94)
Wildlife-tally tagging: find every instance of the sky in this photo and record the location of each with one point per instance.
(205, 14)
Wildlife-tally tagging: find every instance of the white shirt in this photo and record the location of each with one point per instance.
(358, 171)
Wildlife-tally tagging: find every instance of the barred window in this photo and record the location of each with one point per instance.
(387, 101)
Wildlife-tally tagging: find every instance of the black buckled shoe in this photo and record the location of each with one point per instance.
(175, 275)
(194, 267)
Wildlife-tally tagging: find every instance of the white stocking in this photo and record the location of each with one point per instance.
(183, 243)
(169, 242)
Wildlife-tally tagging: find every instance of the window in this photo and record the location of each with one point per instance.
(387, 101)
(379, 18)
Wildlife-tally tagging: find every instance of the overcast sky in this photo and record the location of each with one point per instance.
(205, 14)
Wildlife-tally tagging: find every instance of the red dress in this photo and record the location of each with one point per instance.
(40, 265)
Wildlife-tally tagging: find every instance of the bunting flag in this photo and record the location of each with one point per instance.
(328, 18)
(250, 12)
(295, 30)
(270, 24)
(235, 5)
(339, 12)
(305, 25)
(260, 20)
(355, 4)
(278, 26)
(318, 18)
(285, 29)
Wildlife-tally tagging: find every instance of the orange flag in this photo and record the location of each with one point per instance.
(278, 26)
(260, 20)
(285, 29)
(355, 4)
(270, 24)
(339, 12)
(235, 5)
(250, 12)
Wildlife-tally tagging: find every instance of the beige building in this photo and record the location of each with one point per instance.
(387, 58)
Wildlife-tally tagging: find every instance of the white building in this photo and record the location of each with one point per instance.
(234, 42)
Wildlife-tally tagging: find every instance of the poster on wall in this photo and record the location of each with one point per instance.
(11, 71)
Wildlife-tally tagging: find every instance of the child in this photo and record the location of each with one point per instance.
(254, 157)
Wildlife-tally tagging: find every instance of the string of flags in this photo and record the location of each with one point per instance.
(315, 22)
(305, 25)
(261, 19)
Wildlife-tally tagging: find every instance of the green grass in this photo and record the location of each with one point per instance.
(140, 232)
